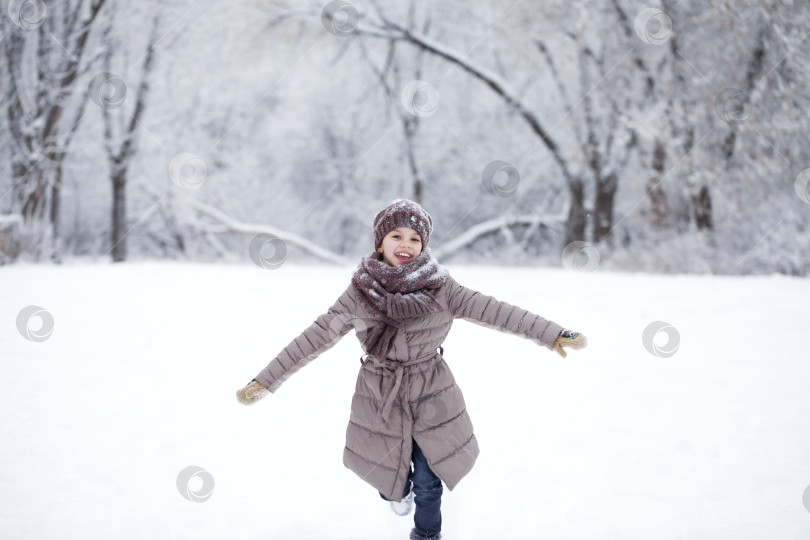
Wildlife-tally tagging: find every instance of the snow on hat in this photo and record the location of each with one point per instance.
(402, 213)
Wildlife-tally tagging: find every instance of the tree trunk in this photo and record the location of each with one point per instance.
(603, 208)
(409, 126)
(417, 191)
(658, 199)
(119, 216)
(35, 197)
(119, 158)
(702, 207)
(56, 194)
(575, 225)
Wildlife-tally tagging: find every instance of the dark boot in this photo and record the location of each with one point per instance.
(414, 536)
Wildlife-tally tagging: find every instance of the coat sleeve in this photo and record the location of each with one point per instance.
(487, 311)
(321, 335)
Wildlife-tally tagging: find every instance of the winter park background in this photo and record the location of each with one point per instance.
(186, 186)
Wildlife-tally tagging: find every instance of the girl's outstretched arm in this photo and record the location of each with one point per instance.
(321, 335)
(487, 311)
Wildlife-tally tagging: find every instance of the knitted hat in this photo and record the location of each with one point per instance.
(402, 213)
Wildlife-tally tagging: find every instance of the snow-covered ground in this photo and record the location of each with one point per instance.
(137, 382)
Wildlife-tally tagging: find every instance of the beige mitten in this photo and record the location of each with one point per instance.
(251, 393)
(567, 338)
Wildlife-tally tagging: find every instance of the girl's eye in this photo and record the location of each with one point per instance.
(414, 239)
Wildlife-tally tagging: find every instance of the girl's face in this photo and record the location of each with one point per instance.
(399, 246)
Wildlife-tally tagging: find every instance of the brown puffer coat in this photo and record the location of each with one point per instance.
(412, 394)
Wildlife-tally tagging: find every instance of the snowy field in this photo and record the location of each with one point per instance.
(137, 382)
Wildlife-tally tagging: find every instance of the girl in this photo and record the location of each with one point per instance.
(406, 407)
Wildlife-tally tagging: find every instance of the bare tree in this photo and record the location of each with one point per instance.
(390, 78)
(598, 150)
(121, 132)
(392, 31)
(650, 97)
(608, 142)
(41, 66)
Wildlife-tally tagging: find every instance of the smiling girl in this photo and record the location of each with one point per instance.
(409, 432)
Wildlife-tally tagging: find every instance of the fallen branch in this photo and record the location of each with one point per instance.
(491, 226)
(231, 225)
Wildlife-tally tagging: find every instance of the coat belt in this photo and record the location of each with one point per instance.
(398, 369)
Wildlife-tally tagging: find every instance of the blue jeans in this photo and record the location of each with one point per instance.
(427, 490)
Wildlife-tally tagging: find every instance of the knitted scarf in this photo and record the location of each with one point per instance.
(394, 294)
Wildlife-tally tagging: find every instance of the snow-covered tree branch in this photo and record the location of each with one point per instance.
(492, 226)
(231, 225)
